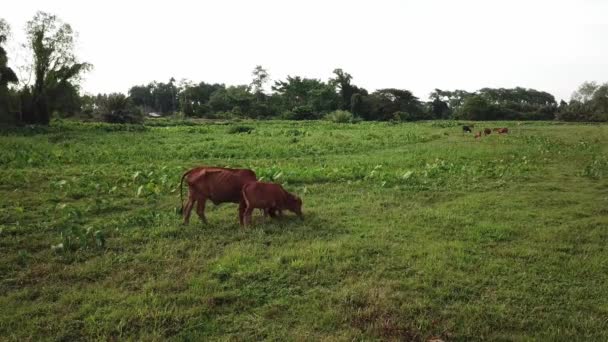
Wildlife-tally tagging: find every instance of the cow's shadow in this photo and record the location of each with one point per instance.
(312, 226)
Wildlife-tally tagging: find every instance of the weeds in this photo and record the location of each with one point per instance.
(597, 169)
(240, 129)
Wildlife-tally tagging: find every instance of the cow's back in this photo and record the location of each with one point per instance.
(220, 184)
(264, 195)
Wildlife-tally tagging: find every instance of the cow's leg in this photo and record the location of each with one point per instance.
(270, 212)
(242, 207)
(247, 218)
(274, 212)
(188, 208)
(200, 209)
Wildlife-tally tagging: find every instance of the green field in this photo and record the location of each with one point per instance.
(411, 232)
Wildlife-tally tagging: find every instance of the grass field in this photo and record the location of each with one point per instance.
(411, 232)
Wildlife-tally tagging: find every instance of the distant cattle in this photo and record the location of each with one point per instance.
(220, 185)
(467, 129)
(267, 196)
(487, 131)
(504, 130)
(478, 135)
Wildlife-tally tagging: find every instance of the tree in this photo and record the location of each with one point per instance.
(235, 99)
(475, 108)
(383, 103)
(600, 102)
(588, 103)
(356, 104)
(454, 99)
(141, 96)
(56, 68)
(117, 108)
(165, 96)
(260, 78)
(440, 109)
(342, 82)
(312, 95)
(7, 75)
(585, 91)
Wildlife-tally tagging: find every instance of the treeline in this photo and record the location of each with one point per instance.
(56, 73)
(299, 98)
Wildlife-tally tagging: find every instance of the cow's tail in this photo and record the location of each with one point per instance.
(181, 194)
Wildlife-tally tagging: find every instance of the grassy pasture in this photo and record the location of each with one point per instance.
(412, 232)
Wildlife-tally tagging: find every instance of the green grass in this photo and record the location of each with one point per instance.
(411, 232)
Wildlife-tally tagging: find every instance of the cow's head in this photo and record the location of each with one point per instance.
(294, 204)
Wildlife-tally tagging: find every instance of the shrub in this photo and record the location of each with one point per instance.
(301, 113)
(580, 116)
(240, 129)
(117, 108)
(406, 116)
(340, 116)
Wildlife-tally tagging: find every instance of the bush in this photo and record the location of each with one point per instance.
(340, 116)
(406, 116)
(118, 108)
(240, 129)
(301, 113)
(572, 114)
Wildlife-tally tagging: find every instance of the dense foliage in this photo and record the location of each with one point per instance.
(56, 72)
(7, 76)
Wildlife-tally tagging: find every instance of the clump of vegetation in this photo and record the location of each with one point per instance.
(445, 123)
(340, 116)
(411, 116)
(236, 129)
(598, 168)
(76, 238)
(118, 108)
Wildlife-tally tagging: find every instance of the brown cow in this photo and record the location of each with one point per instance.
(504, 130)
(218, 184)
(487, 131)
(478, 135)
(268, 196)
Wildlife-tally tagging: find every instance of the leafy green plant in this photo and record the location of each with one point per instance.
(598, 168)
(117, 108)
(75, 238)
(340, 116)
(236, 129)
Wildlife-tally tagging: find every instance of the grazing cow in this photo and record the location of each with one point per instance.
(218, 184)
(487, 131)
(467, 129)
(478, 135)
(504, 130)
(268, 196)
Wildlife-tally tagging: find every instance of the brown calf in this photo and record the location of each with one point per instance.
(504, 130)
(478, 135)
(218, 184)
(487, 131)
(267, 196)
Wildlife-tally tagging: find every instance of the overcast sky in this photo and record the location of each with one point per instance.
(416, 45)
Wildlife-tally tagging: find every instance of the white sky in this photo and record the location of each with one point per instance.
(416, 45)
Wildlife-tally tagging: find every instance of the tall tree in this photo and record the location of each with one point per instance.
(342, 83)
(56, 68)
(315, 95)
(260, 78)
(7, 75)
(585, 91)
